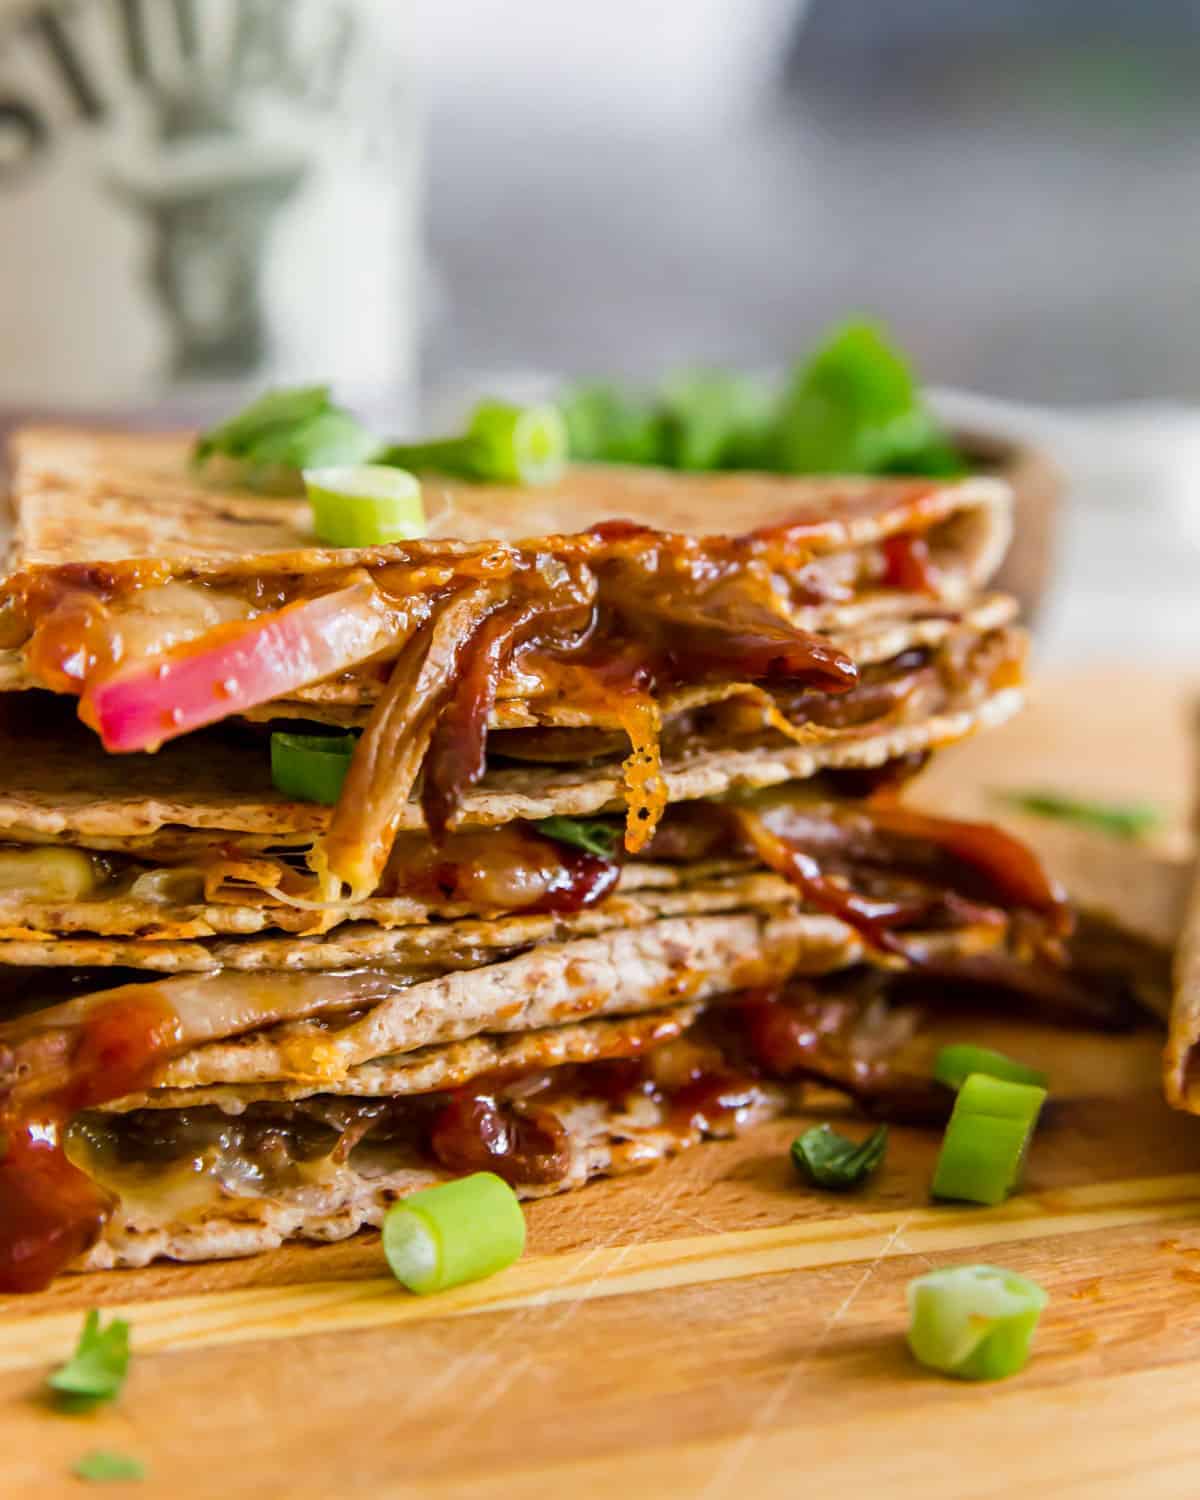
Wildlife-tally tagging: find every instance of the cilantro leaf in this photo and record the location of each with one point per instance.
(829, 1160)
(712, 419)
(854, 407)
(296, 428)
(103, 1466)
(96, 1371)
(588, 834)
(608, 425)
(1123, 820)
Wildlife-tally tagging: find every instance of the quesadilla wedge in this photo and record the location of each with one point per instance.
(161, 1158)
(132, 590)
(197, 842)
(1181, 1061)
(604, 855)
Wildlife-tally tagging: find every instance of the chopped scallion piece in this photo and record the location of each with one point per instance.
(102, 1466)
(973, 1322)
(1123, 820)
(831, 1161)
(286, 431)
(518, 444)
(311, 767)
(96, 1370)
(456, 1232)
(365, 505)
(954, 1064)
(983, 1150)
(589, 834)
(606, 424)
(503, 444)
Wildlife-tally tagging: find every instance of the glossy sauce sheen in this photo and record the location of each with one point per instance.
(908, 565)
(510, 868)
(50, 1212)
(476, 1132)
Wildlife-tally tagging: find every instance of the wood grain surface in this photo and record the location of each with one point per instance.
(713, 1329)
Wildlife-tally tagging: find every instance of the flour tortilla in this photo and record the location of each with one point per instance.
(162, 922)
(1181, 1061)
(61, 786)
(604, 1140)
(415, 943)
(82, 495)
(445, 1067)
(297, 1026)
(347, 702)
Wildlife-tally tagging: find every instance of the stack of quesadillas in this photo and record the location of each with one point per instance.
(589, 843)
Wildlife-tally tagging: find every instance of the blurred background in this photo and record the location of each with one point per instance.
(423, 201)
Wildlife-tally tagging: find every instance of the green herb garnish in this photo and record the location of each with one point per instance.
(983, 1150)
(853, 406)
(311, 767)
(955, 1064)
(102, 1466)
(503, 444)
(711, 419)
(584, 833)
(365, 505)
(608, 425)
(457, 1232)
(298, 428)
(1123, 820)
(287, 431)
(96, 1371)
(829, 1160)
(973, 1322)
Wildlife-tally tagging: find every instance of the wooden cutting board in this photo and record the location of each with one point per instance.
(713, 1329)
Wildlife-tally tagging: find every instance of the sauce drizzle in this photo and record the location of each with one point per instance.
(50, 1211)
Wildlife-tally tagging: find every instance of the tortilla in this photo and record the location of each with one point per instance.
(24, 920)
(411, 941)
(62, 786)
(84, 495)
(445, 1067)
(1181, 1061)
(603, 1140)
(246, 1027)
(347, 701)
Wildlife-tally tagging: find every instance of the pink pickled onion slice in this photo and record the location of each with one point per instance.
(237, 666)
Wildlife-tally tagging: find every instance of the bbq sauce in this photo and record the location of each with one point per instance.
(908, 565)
(713, 1103)
(511, 868)
(478, 1132)
(871, 919)
(793, 1033)
(457, 755)
(50, 1211)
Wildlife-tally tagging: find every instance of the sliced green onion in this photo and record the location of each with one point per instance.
(518, 444)
(503, 444)
(588, 834)
(365, 505)
(954, 1064)
(311, 767)
(974, 1322)
(457, 1232)
(97, 1368)
(983, 1150)
(1123, 820)
(829, 1160)
(104, 1466)
(285, 431)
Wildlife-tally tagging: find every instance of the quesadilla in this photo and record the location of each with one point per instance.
(615, 859)
(547, 613)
